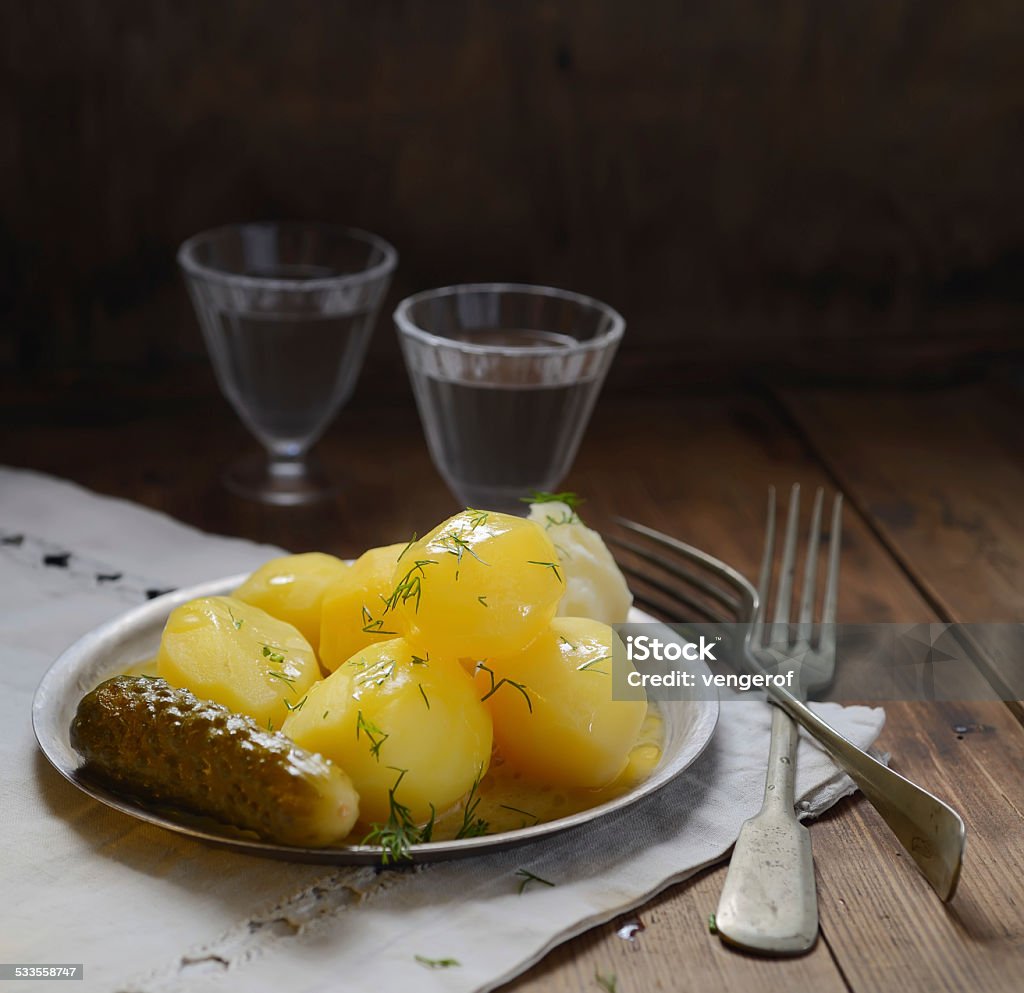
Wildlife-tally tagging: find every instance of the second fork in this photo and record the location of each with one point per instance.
(769, 903)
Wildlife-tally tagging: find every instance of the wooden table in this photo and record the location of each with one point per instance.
(934, 530)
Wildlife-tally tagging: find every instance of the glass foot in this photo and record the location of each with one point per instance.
(283, 482)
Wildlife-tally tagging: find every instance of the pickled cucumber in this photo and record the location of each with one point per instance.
(140, 735)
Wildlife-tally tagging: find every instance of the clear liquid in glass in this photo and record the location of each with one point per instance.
(287, 376)
(496, 441)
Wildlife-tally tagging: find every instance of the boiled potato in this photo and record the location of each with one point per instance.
(554, 716)
(594, 585)
(228, 651)
(479, 584)
(351, 616)
(387, 709)
(291, 588)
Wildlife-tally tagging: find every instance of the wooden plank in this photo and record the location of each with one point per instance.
(674, 951)
(940, 475)
(880, 917)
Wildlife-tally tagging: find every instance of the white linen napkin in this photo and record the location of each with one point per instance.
(147, 911)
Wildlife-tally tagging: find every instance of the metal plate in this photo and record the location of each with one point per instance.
(135, 635)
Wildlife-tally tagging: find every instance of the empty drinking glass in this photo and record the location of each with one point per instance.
(287, 311)
(505, 378)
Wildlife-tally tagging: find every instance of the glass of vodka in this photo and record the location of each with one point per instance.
(287, 311)
(505, 378)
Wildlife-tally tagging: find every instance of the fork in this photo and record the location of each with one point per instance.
(931, 832)
(769, 902)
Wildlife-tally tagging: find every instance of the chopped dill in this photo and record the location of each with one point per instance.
(519, 810)
(234, 620)
(483, 600)
(454, 545)
(295, 708)
(420, 660)
(436, 963)
(271, 652)
(473, 826)
(326, 712)
(712, 924)
(497, 685)
(570, 499)
(409, 587)
(374, 734)
(609, 983)
(399, 832)
(586, 667)
(464, 546)
(568, 517)
(423, 693)
(477, 518)
(270, 724)
(511, 682)
(287, 680)
(553, 566)
(529, 877)
(566, 641)
(412, 541)
(371, 626)
(378, 673)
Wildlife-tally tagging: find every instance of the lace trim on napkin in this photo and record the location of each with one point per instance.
(81, 571)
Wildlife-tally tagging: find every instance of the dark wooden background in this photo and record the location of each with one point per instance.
(832, 187)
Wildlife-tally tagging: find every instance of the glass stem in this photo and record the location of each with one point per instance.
(286, 466)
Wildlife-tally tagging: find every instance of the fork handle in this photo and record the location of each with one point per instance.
(769, 903)
(931, 831)
(780, 779)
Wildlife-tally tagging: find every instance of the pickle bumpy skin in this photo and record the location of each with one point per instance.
(142, 736)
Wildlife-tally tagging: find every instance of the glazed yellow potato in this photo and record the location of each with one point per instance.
(228, 651)
(291, 588)
(479, 584)
(554, 716)
(352, 612)
(388, 709)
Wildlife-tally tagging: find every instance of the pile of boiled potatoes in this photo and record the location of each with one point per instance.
(489, 634)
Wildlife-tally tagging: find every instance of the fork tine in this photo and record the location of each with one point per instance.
(764, 577)
(804, 627)
(673, 569)
(784, 597)
(828, 609)
(662, 609)
(731, 577)
(676, 596)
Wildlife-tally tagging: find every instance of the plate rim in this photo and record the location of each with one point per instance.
(69, 660)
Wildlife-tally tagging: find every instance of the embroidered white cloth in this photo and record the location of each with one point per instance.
(147, 911)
